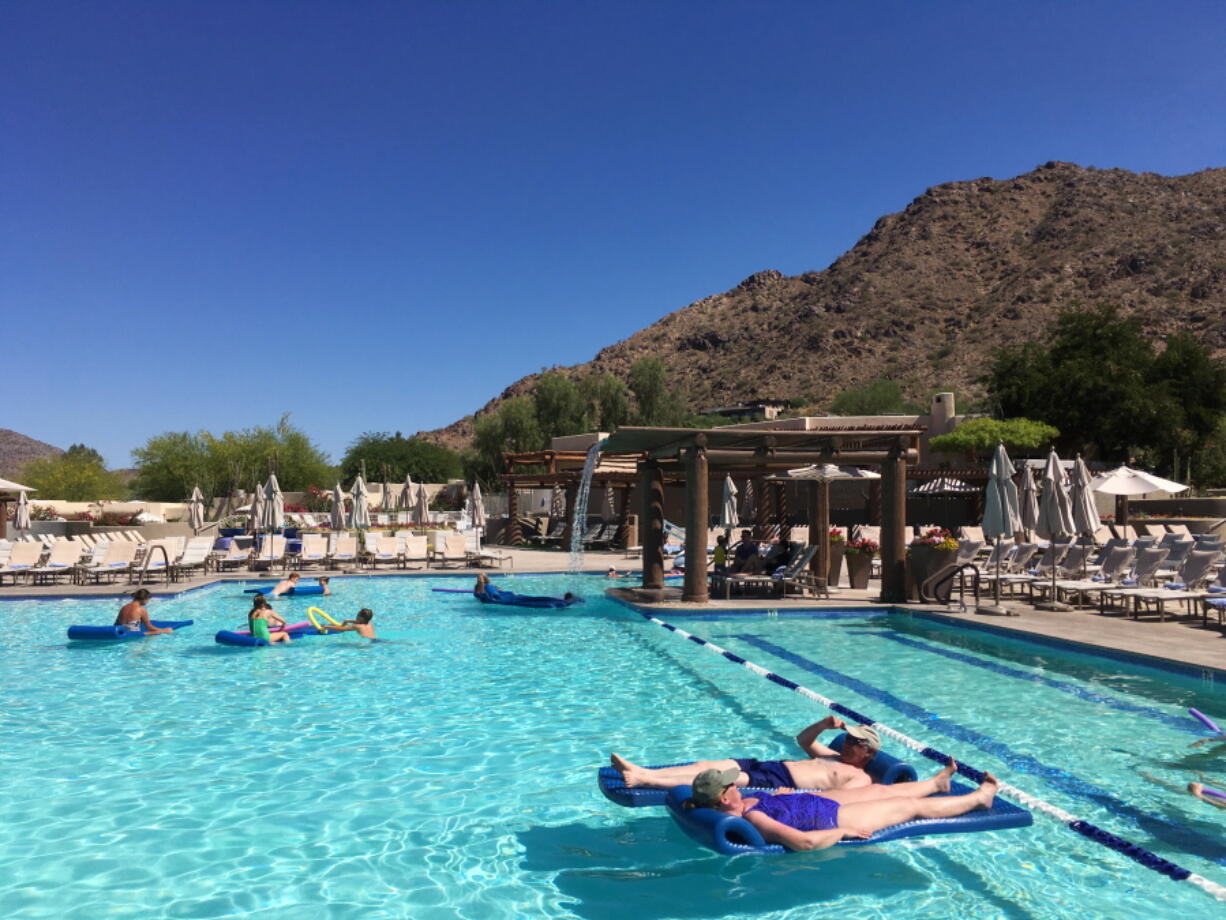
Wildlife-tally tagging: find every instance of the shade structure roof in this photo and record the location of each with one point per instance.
(9, 490)
(742, 448)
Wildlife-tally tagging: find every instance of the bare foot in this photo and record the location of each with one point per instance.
(943, 778)
(631, 773)
(987, 790)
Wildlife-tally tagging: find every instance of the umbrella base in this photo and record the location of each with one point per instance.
(1053, 605)
(996, 610)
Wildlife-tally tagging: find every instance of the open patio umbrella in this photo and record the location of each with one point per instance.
(21, 517)
(423, 505)
(824, 474)
(338, 508)
(1125, 481)
(195, 510)
(476, 507)
(727, 508)
(359, 515)
(1028, 501)
(1001, 517)
(1055, 510)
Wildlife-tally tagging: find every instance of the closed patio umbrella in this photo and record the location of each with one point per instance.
(749, 507)
(272, 516)
(359, 515)
(1028, 501)
(386, 504)
(727, 508)
(404, 501)
(1085, 514)
(423, 505)
(338, 508)
(21, 517)
(1055, 512)
(557, 503)
(610, 504)
(257, 508)
(1001, 517)
(476, 507)
(195, 510)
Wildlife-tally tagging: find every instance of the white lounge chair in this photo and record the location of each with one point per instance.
(23, 557)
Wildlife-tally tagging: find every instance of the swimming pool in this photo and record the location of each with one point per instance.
(449, 771)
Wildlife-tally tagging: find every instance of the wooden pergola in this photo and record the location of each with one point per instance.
(694, 456)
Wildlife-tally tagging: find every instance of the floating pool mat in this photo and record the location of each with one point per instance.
(120, 633)
(1091, 832)
(300, 591)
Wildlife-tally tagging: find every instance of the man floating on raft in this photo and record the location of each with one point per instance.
(488, 593)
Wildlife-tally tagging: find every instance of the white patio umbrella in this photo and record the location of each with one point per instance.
(404, 501)
(1001, 517)
(824, 474)
(423, 505)
(1028, 501)
(475, 509)
(1125, 481)
(1085, 513)
(386, 504)
(557, 503)
(195, 509)
(256, 510)
(273, 512)
(727, 508)
(21, 517)
(1055, 510)
(749, 507)
(338, 508)
(610, 504)
(359, 515)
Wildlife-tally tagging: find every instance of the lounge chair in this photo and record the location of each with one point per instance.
(1116, 563)
(22, 558)
(345, 551)
(416, 549)
(271, 552)
(450, 550)
(1070, 566)
(61, 562)
(777, 581)
(158, 558)
(314, 551)
(1144, 572)
(386, 551)
(117, 560)
(232, 557)
(554, 535)
(195, 557)
(1213, 598)
(1187, 587)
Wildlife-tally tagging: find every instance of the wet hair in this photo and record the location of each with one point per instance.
(140, 595)
(260, 602)
(293, 575)
(324, 579)
(365, 615)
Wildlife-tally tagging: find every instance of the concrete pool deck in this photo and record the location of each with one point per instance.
(1184, 641)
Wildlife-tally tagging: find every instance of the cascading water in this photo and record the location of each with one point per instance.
(578, 523)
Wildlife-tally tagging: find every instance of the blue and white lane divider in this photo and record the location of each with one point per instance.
(1084, 828)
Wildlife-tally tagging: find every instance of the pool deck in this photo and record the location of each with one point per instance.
(1177, 641)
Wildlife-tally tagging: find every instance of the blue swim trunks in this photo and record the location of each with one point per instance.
(766, 774)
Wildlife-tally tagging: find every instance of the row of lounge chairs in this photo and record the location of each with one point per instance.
(84, 561)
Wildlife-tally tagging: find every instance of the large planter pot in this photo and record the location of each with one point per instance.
(836, 563)
(859, 565)
(922, 563)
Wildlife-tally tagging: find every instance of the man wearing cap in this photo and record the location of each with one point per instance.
(805, 821)
(826, 768)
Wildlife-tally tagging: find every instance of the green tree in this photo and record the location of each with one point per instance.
(559, 407)
(393, 456)
(878, 397)
(658, 403)
(169, 465)
(1188, 387)
(605, 400)
(77, 475)
(979, 436)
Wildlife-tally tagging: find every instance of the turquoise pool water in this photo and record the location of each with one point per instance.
(448, 772)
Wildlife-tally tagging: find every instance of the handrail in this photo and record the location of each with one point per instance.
(928, 590)
(144, 568)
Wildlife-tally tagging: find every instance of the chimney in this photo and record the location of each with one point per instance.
(942, 414)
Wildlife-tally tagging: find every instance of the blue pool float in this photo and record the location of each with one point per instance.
(300, 591)
(119, 633)
(511, 599)
(883, 768)
(733, 835)
(244, 639)
(1205, 721)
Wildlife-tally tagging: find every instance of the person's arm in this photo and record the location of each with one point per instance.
(274, 621)
(777, 832)
(147, 624)
(1198, 790)
(807, 739)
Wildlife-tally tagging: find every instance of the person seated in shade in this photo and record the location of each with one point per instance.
(746, 558)
(807, 821)
(359, 624)
(134, 617)
(264, 624)
(826, 768)
(285, 585)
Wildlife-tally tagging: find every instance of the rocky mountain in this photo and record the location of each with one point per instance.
(927, 294)
(16, 450)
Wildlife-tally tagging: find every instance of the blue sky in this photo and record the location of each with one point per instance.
(375, 216)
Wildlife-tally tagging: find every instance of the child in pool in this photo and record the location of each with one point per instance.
(359, 624)
(264, 624)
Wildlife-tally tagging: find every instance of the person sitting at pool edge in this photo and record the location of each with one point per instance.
(360, 624)
(133, 616)
(286, 584)
(806, 821)
(264, 624)
(323, 583)
(825, 768)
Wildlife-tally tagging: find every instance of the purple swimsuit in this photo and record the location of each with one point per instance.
(803, 810)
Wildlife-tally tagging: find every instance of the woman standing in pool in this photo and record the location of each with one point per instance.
(264, 624)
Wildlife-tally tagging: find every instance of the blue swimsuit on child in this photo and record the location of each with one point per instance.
(803, 811)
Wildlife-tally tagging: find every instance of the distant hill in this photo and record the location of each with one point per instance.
(16, 450)
(927, 294)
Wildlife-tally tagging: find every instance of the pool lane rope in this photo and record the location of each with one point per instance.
(1134, 852)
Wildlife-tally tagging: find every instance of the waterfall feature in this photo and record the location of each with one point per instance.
(578, 523)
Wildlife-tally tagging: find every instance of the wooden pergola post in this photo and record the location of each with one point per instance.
(572, 496)
(619, 538)
(894, 525)
(819, 528)
(651, 534)
(515, 534)
(697, 514)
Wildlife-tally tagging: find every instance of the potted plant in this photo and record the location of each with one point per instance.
(835, 569)
(928, 554)
(859, 555)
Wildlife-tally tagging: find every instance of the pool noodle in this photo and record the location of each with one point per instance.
(1204, 720)
(453, 590)
(1213, 793)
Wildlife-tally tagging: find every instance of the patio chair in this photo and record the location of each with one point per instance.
(22, 558)
(345, 551)
(60, 563)
(117, 560)
(385, 551)
(416, 549)
(271, 552)
(1144, 572)
(314, 551)
(195, 557)
(450, 550)
(1115, 566)
(232, 557)
(1197, 569)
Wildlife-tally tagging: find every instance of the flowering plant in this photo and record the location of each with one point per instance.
(863, 546)
(836, 535)
(937, 538)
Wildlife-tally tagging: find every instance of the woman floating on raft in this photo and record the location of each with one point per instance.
(488, 593)
(806, 821)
